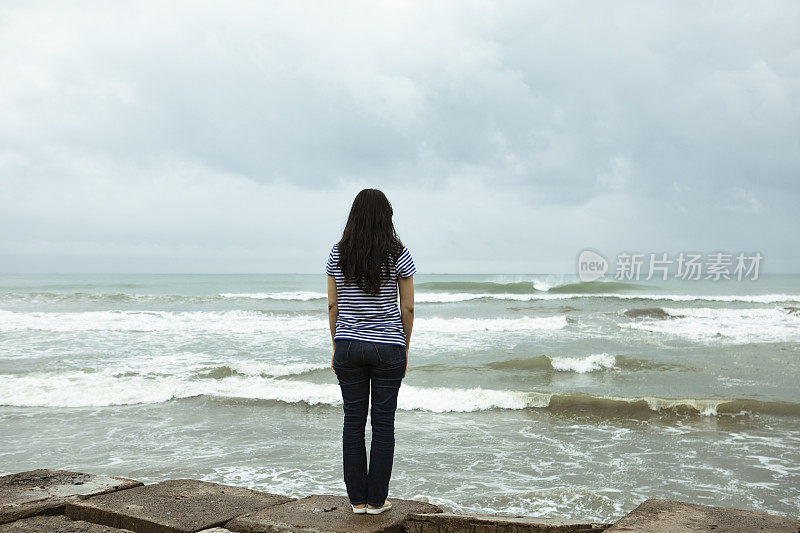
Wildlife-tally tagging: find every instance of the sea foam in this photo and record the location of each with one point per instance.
(240, 321)
(303, 296)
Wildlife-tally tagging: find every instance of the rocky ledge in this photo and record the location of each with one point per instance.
(60, 501)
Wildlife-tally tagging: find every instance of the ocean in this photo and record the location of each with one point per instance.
(530, 394)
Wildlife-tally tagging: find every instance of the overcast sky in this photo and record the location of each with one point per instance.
(232, 137)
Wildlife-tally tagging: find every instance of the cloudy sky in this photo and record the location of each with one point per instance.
(220, 137)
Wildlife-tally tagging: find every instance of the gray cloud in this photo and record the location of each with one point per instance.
(508, 135)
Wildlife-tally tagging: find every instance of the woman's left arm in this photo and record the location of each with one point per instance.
(333, 312)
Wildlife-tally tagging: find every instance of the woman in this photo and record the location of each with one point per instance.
(371, 336)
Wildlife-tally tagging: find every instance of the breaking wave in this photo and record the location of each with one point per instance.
(737, 326)
(104, 388)
(595, 287)
(592, 363)
(581, 365)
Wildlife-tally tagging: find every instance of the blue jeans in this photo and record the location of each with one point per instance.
(361, 366)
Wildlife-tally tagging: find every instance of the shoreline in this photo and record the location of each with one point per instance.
(74, 502)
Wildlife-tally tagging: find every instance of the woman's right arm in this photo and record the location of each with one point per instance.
(406, 286)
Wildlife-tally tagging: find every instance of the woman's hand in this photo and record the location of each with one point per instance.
(332, 369)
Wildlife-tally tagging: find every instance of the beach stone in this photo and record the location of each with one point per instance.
(46, 491)
(174, 506)
(457, 522)
(655, 515)
(56, 524)
(326, 513)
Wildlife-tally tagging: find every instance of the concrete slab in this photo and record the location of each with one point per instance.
(45, 491)
(56, 524)
(657, 516)
(326, 513)
(175, 506)
(457, 522)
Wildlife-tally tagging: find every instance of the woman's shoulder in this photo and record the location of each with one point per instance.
(405, 264)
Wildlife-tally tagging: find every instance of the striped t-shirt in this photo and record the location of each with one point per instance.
(368, 317)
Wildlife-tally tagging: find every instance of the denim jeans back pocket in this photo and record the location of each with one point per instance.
(390, 354)
(341, 355)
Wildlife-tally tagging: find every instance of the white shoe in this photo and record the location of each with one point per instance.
(359, 510)
(379, 510)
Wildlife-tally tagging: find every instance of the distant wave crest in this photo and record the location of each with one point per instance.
(303, 296)
(488, 287)
(427, 293)
(527, 287)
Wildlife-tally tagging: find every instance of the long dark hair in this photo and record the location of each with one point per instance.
(369, 245)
